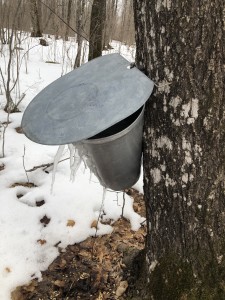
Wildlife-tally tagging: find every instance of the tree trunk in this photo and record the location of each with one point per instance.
(68, 19)
(109, 28)
(35, 12)
(79, 18)
(180, 46)
(98, 14)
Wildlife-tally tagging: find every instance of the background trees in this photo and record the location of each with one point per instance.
(43, 17)
(180, 46)
(35, 12)
(71, 21)
(98, 15)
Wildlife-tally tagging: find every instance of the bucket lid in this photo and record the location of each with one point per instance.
(86, 101)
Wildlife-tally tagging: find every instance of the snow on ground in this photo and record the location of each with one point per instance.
(32, 220)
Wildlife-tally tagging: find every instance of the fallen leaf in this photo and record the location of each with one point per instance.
(62, 263)
(40, 203)
(31, 287)
(84, 253)
(7, 269)
(17, 294)
(70, 223)
(94, 224)
(41, 242)
(45, 220)
(59, 283)
(121, 288)
(100, 296)
(84, 275)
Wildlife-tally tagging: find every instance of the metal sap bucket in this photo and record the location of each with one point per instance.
(114, 155)
(99, 108)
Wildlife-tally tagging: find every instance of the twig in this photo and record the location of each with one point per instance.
(45, 165)
(143, 222)
(21, 99)
(3, 134)
(123, 204)
(24, 152)
(21, 60)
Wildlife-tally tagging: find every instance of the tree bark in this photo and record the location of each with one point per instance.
(98, 14)
(111, 17)
(180, 46)
(79, 18)
(35, 12)
(68, 19)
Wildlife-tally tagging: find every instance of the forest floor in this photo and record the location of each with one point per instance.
(96, 269)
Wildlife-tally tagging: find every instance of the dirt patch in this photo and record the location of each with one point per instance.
(96, 269)
(2, 167)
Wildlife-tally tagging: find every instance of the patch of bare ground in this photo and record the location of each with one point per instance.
(96, 269)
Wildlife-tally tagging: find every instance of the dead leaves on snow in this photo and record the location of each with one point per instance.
(8, 270)
(94, 224)
(93, 269)
(45, 220)
(70, 223)
(41, 242)
(25, 184)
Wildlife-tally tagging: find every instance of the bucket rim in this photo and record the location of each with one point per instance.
(112, 137)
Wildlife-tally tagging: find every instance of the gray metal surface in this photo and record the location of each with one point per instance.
(86, 101)
(116, 159)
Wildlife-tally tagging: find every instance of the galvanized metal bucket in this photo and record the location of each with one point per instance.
(114, 155)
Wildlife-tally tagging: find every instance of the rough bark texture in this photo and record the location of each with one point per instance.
(98, 14)
(180, 46)
(35, 12)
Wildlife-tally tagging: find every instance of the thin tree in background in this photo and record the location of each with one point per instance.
(35, 12)
(110, 24)
(180, 45)
(98, 14)
(80, 16)
(69, 7)
(8, 78)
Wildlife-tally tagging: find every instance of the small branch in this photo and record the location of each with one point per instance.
(3, 134)
(24, 152)
(21, 99)
(3, 79)
(21, 60)
(123, 204)
(45, 165)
